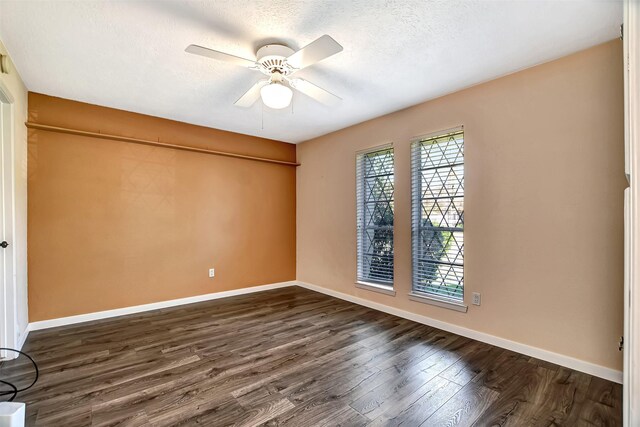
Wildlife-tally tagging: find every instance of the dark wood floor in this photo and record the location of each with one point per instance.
(297, 358)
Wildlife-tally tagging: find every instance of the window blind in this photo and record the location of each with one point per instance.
(437, 226)
(374, 193)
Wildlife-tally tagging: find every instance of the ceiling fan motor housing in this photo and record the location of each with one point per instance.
(272, 59)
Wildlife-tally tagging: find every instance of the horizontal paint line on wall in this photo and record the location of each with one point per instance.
(538, 353)
(99, 315)
(78, 132)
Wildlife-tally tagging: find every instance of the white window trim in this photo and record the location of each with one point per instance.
(387, 289)
(425, 297)
(376, 287)
(375, 148)
(438, 301)
(430, 135)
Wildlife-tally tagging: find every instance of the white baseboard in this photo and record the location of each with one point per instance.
(80, 318)
(549, 356)
(538, 353)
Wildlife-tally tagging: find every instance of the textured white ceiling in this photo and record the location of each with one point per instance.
(130, 54)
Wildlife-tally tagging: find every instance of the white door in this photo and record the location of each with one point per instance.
(8, 326)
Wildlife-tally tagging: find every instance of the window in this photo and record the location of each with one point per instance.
(437, 226)
(374, 180)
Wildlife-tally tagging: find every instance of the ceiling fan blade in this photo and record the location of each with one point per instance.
(251, 96)
(315, 92)
(220, 56)
(314, 52)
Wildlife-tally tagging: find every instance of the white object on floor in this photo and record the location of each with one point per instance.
(12, 414)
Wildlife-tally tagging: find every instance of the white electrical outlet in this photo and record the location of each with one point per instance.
(212, 272)
(476, 298)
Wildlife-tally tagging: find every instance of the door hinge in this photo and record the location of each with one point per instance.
(621, 344)
(621, 31)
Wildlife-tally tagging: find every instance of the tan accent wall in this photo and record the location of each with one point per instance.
(543, 210)
(13, 84)
(115, 224)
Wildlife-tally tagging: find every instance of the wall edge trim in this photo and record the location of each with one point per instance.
(549, 356)
(23, 337)
(117, 312)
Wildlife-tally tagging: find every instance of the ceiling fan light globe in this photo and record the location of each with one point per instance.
(276, 95)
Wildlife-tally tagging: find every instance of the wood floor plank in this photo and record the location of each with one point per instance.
(471, 364)
(604, 403)
(521, 402)
(119, 417)
(264, 411)
(464, 408)
(498, 373)
(222, 415)
(414, 409)
(293, 357)
(568, 393)
(402, 383)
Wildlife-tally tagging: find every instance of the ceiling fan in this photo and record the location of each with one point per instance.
(279, 63)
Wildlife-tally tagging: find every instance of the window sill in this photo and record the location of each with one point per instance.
(383, 289)
(438, 302)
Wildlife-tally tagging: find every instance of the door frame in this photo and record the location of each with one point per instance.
(8, 291)
(631, 376)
